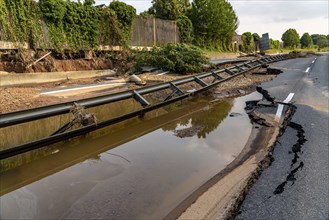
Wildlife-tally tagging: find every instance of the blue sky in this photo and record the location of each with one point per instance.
(273, 16)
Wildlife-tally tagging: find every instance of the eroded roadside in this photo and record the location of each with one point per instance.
(22, 97)
(221, 197)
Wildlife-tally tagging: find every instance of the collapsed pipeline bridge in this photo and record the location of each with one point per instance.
(89, 125)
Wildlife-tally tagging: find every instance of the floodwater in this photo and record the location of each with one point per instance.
(139, 170)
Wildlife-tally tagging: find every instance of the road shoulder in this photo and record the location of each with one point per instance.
(221, 196)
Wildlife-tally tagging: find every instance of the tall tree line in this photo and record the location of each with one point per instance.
(214, 22)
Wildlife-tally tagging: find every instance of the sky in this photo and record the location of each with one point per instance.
(270, 16)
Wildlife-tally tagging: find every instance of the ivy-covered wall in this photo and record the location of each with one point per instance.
(64, 24)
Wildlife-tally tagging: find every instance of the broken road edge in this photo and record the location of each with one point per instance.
(222, 195)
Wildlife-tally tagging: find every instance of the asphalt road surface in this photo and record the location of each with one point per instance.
(296, 185)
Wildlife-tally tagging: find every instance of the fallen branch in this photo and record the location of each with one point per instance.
(41, 58)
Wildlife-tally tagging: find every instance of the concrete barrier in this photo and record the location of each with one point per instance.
(10, 79)
(7, 45)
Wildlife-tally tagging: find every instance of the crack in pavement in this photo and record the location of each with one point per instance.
(296, 149)
(291, 177)
(300, 142)
(265, 94)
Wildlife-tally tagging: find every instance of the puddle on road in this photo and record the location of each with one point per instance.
(141, 171)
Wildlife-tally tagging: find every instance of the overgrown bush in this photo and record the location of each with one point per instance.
(68, 24)
(20, 21)
(179, 58)
(185, 29)
(247, 41)
(126, 15)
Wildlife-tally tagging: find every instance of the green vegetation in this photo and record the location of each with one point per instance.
(179, 58)
(168, 9)
(68, 25)
(274, 44)
(306, 41)
(209, 24)
(250, 42)
(320, 40)
(185, 29)
(310, 42)
(256, 39)
(126, 15)
(290, 38)
(208, 120)
(214, 23)
(247, 41)
(19, 21)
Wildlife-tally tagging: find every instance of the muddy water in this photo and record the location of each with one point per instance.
(140, 170)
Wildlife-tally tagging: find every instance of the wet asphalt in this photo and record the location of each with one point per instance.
(296, 185)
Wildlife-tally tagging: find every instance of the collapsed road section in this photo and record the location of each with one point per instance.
(221, 196)
(202, 82)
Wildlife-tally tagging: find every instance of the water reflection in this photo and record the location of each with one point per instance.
(40, 163)
(140, 172)
(202, 123)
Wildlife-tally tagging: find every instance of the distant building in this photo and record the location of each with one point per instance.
(237, 39)
(236, 42)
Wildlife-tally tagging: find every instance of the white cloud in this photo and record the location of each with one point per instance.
(276, 17)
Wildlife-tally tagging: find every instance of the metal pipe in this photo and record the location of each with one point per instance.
(57, 109)
(6, 153)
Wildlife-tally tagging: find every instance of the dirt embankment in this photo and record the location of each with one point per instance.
(52, 65)
(29, 61)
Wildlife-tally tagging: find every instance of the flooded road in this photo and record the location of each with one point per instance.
(140, 170)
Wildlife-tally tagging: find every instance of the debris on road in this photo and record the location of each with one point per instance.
(135, 79)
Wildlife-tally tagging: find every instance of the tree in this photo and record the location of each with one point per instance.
(53, 10)
(256, 39)
(247, 40)
(126, 15)
(214, 23)
(185, 29)
(274, 44)
(306, 40)
(290, 38)
(146, 14)
(89, 2)
(315, 38)
(320, 40)
(169, 9)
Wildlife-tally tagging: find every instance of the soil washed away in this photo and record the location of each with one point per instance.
(141, 171)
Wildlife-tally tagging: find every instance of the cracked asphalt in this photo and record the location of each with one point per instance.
(307, 196)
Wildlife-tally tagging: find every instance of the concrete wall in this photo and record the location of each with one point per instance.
(6, 45)
(9, 79)
(148, 31)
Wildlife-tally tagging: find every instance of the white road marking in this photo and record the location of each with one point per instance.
(313, 61)
(80, 88)
(163, 73)
(280, 107)
(308, 69)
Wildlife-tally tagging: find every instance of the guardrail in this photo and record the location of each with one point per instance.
(14, 118)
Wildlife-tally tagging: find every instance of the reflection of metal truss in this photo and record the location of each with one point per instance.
(177, 94)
